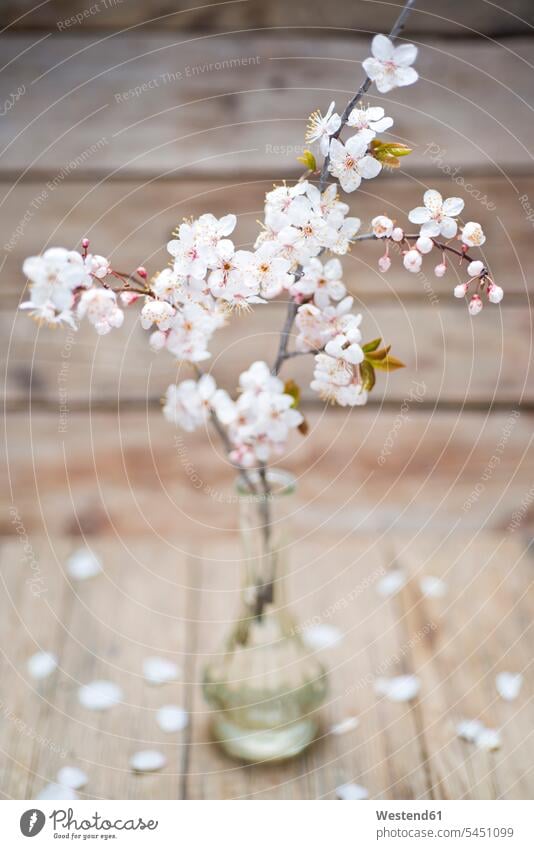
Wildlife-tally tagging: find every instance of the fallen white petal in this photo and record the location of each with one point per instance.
(99, 695)
(432, 587)
(83, 564)
(172, 718)
(508, 685)
(488, 739)
(351, 791)
(321, 636)
(57, 792)
(402, 688)
(344, 725)
(391, 583)
(159, 670)
(42, 664)
(147, 760)
(469, 729)
(71, 776)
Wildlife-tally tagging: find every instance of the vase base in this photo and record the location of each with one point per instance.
(266, 745)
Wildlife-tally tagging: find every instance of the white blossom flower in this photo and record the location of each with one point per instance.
(437, 216)
(97, 265)
(264, 416)
(229, 279)
(342, 348)
(389, 66)
(382, 226)
(368, 121)
(54, 277)
(188, 403)
(156, 312)
(269, 271)
(258, 378)
(335, 380)
(321, 282)
(473, 235)
(460, 290)
(318, 326)
(190, 256)
(400, 688)
(412, 260)
(191, 331)
(398, 234)
(99, 306)
(321, 128)
(350, 162)
(440, 269)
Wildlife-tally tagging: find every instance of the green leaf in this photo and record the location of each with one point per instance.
(308, 160)
(368, 375)
(371, 346)
(293, 389)
(388, 364)
(374, 356)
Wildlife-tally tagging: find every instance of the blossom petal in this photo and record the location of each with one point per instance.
(369, 167)
(406, 76)
(382, 47)
(373, 68)
(382, 124)
(433, 200)
(449, 228)
(419, 215)
(374, 113)
(430, 229)
(405, 55)
(453, 206)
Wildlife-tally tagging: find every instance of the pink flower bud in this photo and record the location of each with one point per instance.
(475, 305)
(424, 244)
(142, 272)
(397, 234)
(460, 291)
(85, 243)
(495, 293)
(440, 269)
(384, 263)
(128, 298)
(475, 268)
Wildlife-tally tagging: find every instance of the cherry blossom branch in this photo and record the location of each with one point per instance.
(396, 29)
(442, 246)
(292, 306)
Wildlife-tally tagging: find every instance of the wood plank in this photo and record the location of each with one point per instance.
(145, 103)
(486, 612)
(132, 474)
(478, 17)
(137, 608)
(131, 222)
(34, 608)
(448, 357)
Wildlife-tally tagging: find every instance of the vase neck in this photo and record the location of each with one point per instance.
(265, 537)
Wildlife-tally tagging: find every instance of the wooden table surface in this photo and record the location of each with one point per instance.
(90, 461)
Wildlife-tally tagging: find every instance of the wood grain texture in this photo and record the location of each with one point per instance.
(147, 601)
(237, 104)
(132, 474)
(357, 15)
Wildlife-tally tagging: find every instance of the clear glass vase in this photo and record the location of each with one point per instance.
(267, 685)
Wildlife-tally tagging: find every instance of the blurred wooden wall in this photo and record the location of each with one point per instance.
(120, 134)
